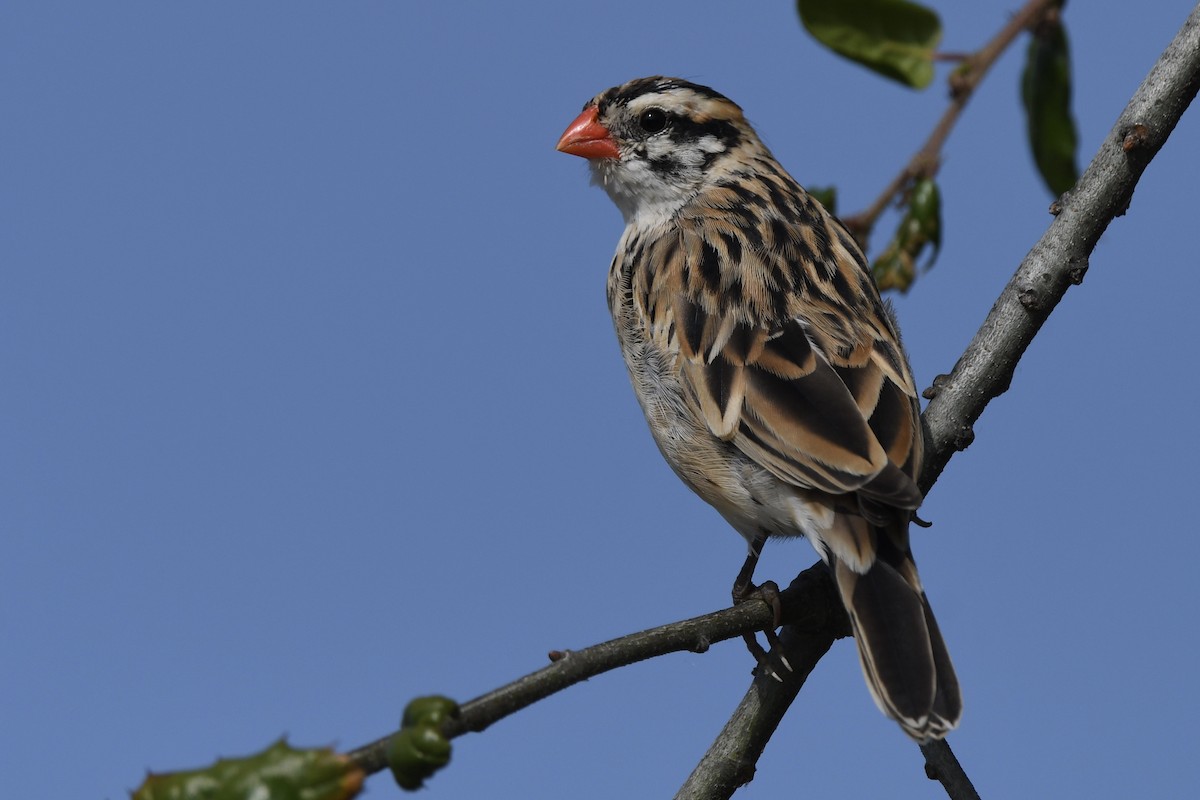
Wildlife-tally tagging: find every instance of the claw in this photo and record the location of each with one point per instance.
(743, 590)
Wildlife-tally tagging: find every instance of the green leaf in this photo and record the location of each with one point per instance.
(920, 228)
(278, 773)
(895, 38)
(825, 195)
(925, 206)
(414, 754)
(1046, 93)
(420, 748)
(431, 710)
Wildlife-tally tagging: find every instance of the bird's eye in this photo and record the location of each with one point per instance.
(653, 120)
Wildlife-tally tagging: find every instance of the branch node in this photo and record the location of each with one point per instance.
(1075, 274)
(964, 437)
(701, 645)
(1135, 137)
(1057, 206)
(962, 80)
(938, 382)
(745, 772)
(557, 655)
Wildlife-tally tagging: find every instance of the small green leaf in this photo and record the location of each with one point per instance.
(430, 710)
(420, 748)
(1046, 93)
(414, 754)
(895, 38)
(926, 210)
(278, 773)
(893, 270)
(921, 227)
(825, 195)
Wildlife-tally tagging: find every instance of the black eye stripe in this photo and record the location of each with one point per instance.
(655, 120)
(721, 130)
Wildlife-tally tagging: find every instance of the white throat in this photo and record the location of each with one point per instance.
(644, 198)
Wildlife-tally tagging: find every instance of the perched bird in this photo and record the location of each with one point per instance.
(770, 372)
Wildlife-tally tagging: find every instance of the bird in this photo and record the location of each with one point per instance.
(770, 371)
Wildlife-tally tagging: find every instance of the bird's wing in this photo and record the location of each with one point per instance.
(812, 384)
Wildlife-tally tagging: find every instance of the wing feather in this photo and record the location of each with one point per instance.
(821, 407)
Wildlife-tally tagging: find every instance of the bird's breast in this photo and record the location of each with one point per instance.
(750, 498)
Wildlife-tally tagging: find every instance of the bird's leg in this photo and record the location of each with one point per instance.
(743, 590)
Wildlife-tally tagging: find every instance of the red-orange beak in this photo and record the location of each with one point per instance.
(587, 138)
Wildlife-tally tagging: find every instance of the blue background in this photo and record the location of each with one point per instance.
(311, 404)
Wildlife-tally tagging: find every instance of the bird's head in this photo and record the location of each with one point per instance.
(655, 143)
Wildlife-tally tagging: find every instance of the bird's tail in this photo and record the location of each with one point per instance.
(901, 650)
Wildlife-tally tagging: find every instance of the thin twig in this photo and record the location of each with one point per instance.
(1060, 258)
(808, 604)
(941, 765)
(729, 763)
(963, 82)
(1058, 261)
(811, 607)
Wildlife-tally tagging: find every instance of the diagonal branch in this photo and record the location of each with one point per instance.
(963, 82)
(809, 604)
(984, 371)
(729, 763)
(1060, 258)
(811, 607)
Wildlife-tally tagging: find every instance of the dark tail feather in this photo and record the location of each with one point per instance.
(947, 701)
(901, 650)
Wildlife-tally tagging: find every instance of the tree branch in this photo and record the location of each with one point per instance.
(941, 765)
(963, 82)
(729, 763)
(809, 603)
(812, 611)
(984, 371)
(1060, 258)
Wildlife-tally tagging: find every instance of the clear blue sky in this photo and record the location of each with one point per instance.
(311, 404)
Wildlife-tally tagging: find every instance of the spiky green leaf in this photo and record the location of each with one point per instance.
(280, 772)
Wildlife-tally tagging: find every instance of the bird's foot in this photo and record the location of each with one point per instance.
(768, 663)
